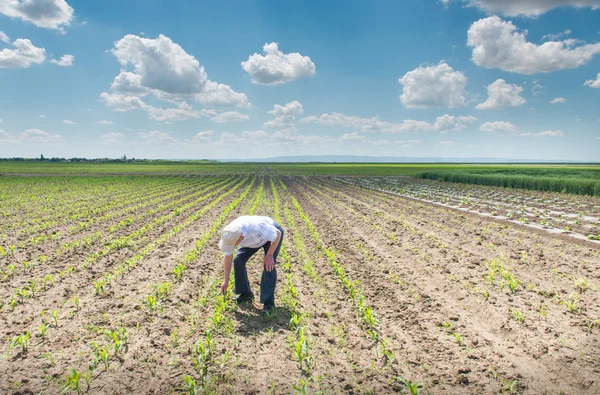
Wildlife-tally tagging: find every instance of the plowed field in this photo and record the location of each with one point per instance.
(111, 285)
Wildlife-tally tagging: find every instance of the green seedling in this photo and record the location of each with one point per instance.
(21, 341)
(413, 388)
(43, 329)
(178, 271)
(518, 315)
(191, 387)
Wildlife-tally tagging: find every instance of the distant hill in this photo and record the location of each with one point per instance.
(387, 159)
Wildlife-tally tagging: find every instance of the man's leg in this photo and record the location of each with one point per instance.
(269, 279)
(240, 274)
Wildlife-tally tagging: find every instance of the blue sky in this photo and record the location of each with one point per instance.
(515, 79)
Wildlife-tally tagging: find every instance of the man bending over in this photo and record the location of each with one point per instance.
(251, 233)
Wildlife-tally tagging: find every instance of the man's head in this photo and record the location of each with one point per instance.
(230, 237)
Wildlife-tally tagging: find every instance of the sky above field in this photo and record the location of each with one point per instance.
(517, 79)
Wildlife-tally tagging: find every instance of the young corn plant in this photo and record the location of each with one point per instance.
(413, 388)
(21, 341)
(118, 337)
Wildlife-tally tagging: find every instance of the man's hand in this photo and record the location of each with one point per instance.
(224, 286)
(269, 263)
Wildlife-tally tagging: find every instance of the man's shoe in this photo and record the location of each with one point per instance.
(243, 298)
(268, 310)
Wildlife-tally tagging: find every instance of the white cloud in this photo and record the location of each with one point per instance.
(291, 108)
(41, 116)
(50, 14)
(256, 135)
(65, 61)
(433, 86)
(164, 69)
(39, 136)
(537, 88)
(162, 65)
(157, 137)
(220, 95)
(4, 38)
(557, 36)
(121, 102)
(113, 138)
(498, 44)
(202, 137)
(282, 121)
(246, 137)
(182, 112)
(128, 83)
(68, 122)
(529, 8)
(501, 94)
(230, 116)
(546, 133)
(558, 100)
(103, 122)
(444, 123)
(593, 83)
(23, 56)
(275, 67)
(498, 126)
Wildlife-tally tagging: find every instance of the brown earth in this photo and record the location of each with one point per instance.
(424, 270)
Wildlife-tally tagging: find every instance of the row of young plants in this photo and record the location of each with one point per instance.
(128, 241)
(163, 202)
(60, 212)
(499, 274)
(220, 322)
(81, 226)
(581, 220)
(291, 299)
(102, 354)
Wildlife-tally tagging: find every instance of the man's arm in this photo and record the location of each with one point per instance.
(227, 271)
(269, 261)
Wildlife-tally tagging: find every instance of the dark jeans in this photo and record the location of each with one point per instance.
(268, 280)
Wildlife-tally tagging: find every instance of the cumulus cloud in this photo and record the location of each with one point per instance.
(498, 44)
(113, 138)
(220, 95)
(121, 102)
(41, 116)
(164, 69)
(444, 123)
(230, 116)
(68, 122)
(39, 136)
(49, 14)
(291, 108)
(282, 121)
(246, 137)
(529, 8)
(4, 38)
(157, 137)
(202, 137)
(103, 122)
(275, 67)
(498, 126)
(22, 56)
(501, 94)
(537, 88)
(593, 83)
(546, 133)
(433, 86)
(558, 100)
(65, 61)
(182, 112)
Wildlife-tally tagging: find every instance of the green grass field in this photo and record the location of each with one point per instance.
(579, 179)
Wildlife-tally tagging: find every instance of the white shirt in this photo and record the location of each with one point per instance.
(257, 230)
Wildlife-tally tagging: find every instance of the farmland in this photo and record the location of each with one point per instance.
(110, 284)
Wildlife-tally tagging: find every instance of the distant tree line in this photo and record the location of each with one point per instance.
(122, 159)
